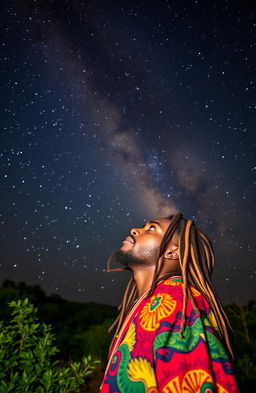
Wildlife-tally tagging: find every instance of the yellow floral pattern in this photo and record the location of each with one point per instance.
(194, 379)
(191, 383)
(129, 338)
(139, 369)
(194, 291)
(175, 282)
(220, 389)
(157, 308)
(211, 321)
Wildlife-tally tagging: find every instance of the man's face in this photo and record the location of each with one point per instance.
(141, 247)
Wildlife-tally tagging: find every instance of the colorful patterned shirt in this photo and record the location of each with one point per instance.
(149, 356)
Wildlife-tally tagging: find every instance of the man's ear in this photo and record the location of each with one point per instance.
(172, 253)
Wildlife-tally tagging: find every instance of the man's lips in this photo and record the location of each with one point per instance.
(129, 239)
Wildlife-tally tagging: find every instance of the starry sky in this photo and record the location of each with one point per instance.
(115, 113)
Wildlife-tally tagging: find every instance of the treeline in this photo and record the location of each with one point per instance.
(81, 329)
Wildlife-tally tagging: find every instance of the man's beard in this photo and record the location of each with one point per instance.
(127, 259)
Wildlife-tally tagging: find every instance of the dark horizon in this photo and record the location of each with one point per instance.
(49, 294)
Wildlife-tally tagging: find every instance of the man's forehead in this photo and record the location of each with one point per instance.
(164, 222)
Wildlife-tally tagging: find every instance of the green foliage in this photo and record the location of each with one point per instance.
(247, 370)
(70, 321)
(96, 340)
(243, 322)
(27, 354)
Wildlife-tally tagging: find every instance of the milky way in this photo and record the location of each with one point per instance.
(113, 114)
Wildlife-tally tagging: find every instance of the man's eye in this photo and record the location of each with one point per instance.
(152, 226)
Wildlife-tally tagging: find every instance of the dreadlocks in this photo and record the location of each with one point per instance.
(196, 258)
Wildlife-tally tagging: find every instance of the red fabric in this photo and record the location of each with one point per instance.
(151, 357)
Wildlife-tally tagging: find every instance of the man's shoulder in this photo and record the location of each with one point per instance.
(173, 287)
(170, 288)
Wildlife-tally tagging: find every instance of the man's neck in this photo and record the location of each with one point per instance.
(143, 279)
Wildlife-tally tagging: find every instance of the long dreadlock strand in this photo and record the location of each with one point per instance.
(207, 243)
(194, 305)
(131, 297)
(200, 270)
(123, 305)
(203, 254)
(204, 269)
(208, 257)
(183, 263)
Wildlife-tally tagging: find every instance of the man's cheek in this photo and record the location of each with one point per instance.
(147, 250)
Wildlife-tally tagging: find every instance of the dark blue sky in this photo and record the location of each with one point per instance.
(113, 113)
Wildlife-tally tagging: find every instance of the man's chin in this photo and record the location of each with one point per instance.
(120, 256)
(126, 258)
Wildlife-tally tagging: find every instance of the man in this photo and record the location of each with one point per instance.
(172, 333)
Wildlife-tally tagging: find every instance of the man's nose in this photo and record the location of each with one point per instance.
(134, 231)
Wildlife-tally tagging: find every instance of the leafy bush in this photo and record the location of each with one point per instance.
(243, 319)
(27, 354)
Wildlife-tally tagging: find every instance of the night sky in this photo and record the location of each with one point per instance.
(117, 112)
